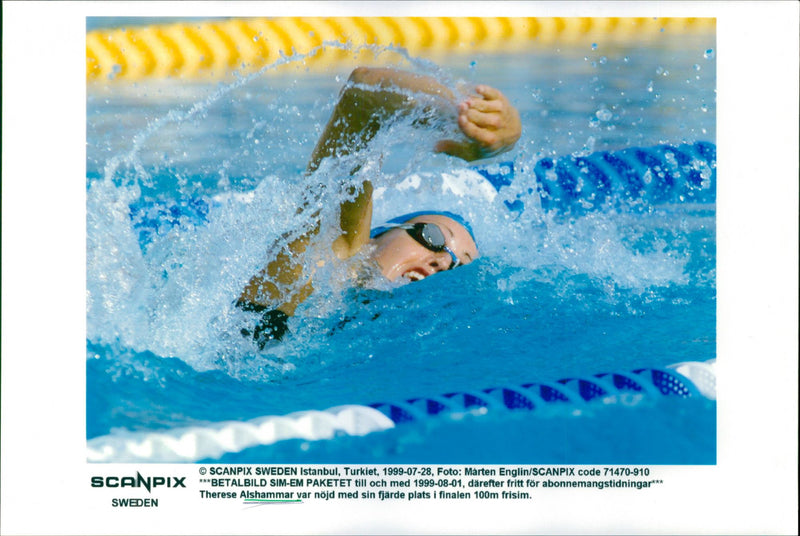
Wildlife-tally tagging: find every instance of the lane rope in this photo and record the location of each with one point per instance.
(645, 176)
(216, 49)
(190, 444)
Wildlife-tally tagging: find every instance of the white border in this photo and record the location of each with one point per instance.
(753, 489)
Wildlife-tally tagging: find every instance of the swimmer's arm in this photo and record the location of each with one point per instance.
(354, 219)
(371, 96)
(490, 123)
(278, 283)
(354, 121)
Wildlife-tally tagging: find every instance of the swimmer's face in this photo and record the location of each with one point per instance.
(400, 255)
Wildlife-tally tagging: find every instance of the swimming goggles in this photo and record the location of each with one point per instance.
(431, 237)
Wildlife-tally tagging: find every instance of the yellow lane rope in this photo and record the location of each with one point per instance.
(217, 48)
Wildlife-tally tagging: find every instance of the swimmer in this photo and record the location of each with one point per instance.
(412, 247)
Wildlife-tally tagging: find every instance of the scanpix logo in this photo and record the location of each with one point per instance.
(138, 481)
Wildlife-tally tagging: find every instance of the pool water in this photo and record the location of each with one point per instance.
(558, 292)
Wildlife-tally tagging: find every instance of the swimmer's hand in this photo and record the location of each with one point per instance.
(489, 121)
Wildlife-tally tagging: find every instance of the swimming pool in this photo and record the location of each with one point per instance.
(187, 182)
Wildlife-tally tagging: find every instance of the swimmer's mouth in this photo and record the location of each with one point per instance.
(415, 275)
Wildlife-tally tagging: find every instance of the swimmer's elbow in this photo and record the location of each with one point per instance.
(364, 75)
(344, 247)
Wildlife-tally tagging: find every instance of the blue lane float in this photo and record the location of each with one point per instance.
(694, 380)
(681, 380)
(658, 175)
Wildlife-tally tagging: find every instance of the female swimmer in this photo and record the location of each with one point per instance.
(412, 247)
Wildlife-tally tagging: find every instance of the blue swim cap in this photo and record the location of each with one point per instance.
(377, 231)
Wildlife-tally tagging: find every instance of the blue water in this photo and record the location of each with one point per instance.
(556, 293)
